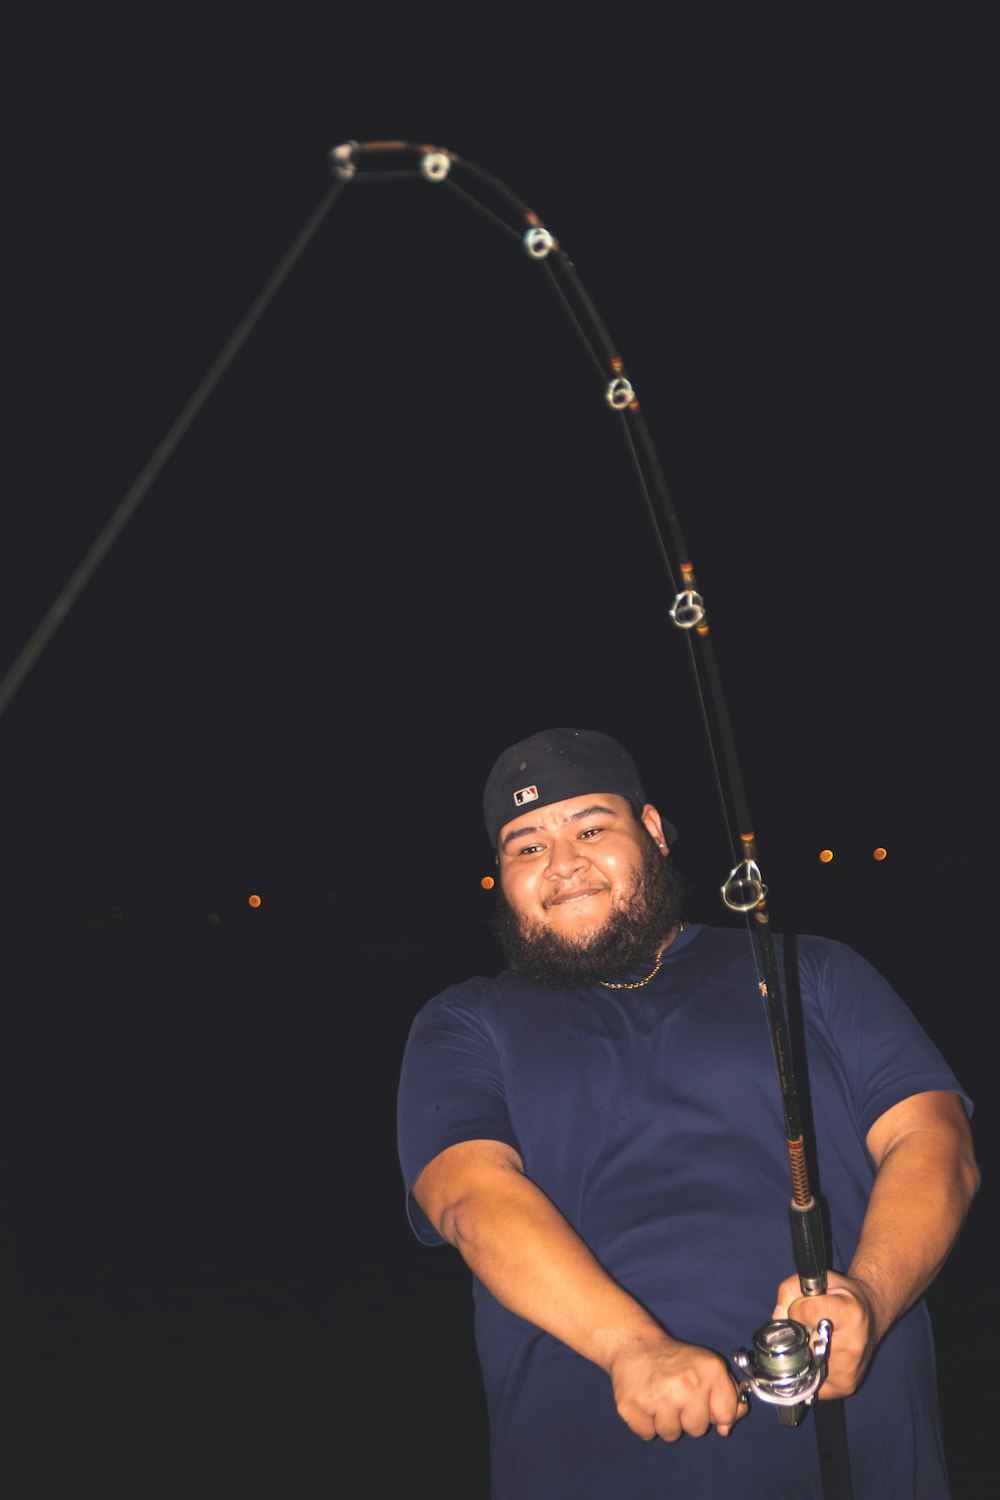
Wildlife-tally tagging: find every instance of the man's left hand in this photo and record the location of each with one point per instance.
(852, 1343)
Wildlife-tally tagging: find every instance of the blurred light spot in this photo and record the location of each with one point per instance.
(826, 855)
(214, 919)
(487, 882)
(254, 900)
(879, 853)
(117, 913)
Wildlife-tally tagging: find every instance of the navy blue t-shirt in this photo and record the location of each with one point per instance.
(652, 1118)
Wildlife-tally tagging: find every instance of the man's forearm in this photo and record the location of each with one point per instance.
(927, 1178)
(520, 1246)
(515, 1240)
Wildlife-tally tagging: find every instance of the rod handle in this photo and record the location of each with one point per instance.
(808, 1247)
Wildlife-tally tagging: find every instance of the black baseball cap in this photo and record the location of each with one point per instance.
(554, 765)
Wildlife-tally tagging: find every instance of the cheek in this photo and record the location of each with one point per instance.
(523, 895)
(620, 867)
(517, 887)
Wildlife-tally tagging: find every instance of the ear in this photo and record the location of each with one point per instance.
(653, 825)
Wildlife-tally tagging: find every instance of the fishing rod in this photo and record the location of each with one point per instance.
(786, 1365)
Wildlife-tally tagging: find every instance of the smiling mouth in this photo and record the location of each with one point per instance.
(566, 896)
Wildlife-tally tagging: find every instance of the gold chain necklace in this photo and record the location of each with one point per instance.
(637, 984)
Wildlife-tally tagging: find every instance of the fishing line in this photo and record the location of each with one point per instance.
(127, 507)
(582, 334)
(480, 208)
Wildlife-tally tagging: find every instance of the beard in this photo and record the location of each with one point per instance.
(632, 934)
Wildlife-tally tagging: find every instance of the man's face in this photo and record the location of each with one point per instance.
(567, 867)
(585, 890)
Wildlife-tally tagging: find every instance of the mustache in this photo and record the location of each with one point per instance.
(583, 890)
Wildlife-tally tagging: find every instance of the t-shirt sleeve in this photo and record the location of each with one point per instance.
(887, 1054)
(451, 1085)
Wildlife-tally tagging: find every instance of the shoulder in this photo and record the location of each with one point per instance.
(825, 963)
(479, 1004)
(474, 991)
(467, 1003)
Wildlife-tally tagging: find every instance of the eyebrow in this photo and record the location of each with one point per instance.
(584, 812)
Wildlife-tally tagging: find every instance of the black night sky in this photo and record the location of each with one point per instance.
(404, 532)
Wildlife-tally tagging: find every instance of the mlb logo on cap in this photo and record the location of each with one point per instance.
(526, 794)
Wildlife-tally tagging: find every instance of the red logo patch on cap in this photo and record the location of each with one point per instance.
(526, 794)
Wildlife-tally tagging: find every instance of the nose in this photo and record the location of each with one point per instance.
(566, 858)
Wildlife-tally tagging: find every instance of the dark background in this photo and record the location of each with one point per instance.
(403, 533)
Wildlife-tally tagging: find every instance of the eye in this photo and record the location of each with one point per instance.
(589, 832)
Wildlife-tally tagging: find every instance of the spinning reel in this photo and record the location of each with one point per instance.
(783, 1368)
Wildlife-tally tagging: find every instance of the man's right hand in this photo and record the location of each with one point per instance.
(665, 1389)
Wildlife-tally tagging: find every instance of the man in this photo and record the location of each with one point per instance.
(599, 1132)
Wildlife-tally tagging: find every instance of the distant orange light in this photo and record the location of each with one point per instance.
(487, 882)
(879, 853)
(826, 855)
(254, 900)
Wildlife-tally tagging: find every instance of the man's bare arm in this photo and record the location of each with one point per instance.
(519, 1245)
(926, 1180)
